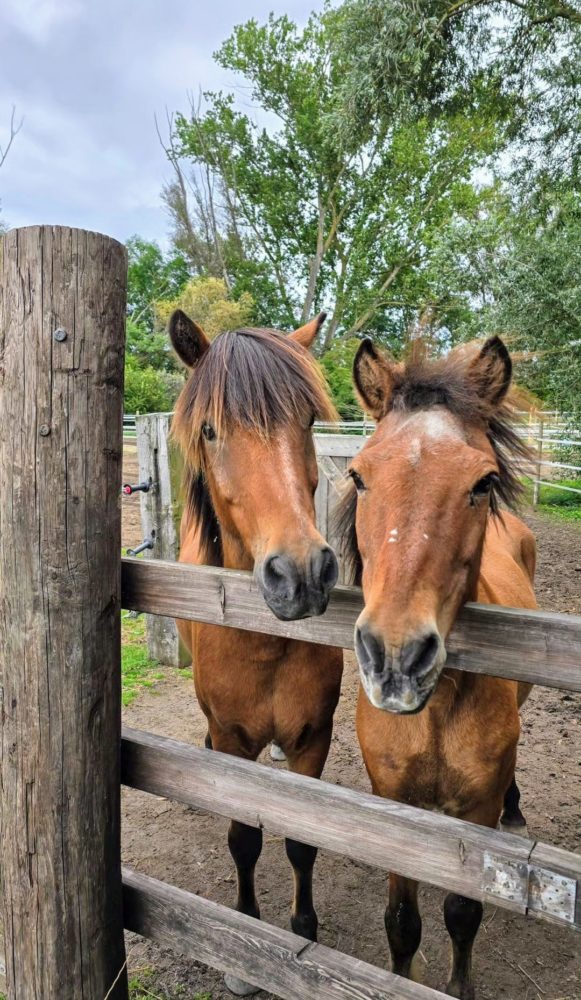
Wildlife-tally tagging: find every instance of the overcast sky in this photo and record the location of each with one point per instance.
(88, 77)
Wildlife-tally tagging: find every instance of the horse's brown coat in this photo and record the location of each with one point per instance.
(427, 542)
(251, 493)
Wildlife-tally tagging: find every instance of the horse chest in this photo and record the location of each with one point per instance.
(451, 772)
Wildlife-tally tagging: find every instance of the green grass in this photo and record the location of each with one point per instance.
(137, 670)
(142, 987)
(558, 503)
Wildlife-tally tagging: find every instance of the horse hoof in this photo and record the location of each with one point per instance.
(517, 830)
(276, 752)
(239, 987)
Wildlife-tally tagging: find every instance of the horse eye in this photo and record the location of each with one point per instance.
(359, 484)
(208, 432)
(483, 487)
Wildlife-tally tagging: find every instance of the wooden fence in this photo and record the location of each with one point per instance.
(60, 595)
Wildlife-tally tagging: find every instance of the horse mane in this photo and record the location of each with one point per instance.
(420, 382)
(256, 378)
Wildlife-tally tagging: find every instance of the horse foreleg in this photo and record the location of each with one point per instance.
(462, 916)
(309, 760)
(403, 924)
(245, 843)
(512, 818)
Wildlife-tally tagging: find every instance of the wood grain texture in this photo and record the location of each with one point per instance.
(60, 535)
(275, 959)
(534, 646)
(161, 511)
(426, 846)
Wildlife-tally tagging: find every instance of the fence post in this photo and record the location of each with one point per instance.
(161, 511)
(62, 324)
(539, 467)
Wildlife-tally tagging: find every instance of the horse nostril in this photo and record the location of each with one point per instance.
(419, 655)
(370, 650)
(279, 575)
(325, 569)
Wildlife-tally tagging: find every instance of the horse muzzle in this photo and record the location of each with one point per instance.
(402, 678)
(292, 591)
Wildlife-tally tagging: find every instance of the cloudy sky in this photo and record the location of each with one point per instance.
(88, 76)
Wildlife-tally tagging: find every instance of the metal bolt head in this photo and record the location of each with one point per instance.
(60, 334)
(44, 430)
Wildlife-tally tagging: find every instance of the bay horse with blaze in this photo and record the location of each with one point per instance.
(244, 422)
(422, 523)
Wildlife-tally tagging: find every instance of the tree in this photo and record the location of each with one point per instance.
(4, 150)
(148, 390)
(322, 223)
(151, 276)
(521, 58)
(515, 270)
(207, 301)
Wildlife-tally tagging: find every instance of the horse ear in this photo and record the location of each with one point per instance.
(189, 340)
(373, 377)
(306, 334)
(491, 371)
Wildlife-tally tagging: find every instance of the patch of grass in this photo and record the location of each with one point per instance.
(142, 986)
(137, 670)
(563, 513)
(558, 503)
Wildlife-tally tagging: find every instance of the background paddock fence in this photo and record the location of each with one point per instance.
(65, 900)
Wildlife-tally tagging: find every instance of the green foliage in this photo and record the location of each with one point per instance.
(209, 303)
(518, 59)
(137, 670)
(151, 276)
(337, 364)
(148, 390)
(323, 223)
(514, 268)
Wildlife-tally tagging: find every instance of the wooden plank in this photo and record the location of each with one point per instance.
(62, 332)
(344, 445)
(161, 511)
(533, 646)
(321, 501)
(462, 857)
(274, 959)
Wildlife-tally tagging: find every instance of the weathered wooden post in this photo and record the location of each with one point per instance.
(62, 312)
(161, 512)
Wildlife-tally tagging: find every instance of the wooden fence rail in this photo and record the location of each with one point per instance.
(509, 871)
(274, 959)
(533, 646)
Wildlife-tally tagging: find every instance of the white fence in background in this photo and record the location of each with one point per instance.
(545, 431)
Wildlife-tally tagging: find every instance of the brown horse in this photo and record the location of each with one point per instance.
(421, 520)
(244, 422)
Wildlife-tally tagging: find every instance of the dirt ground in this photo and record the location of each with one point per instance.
(515, 957)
